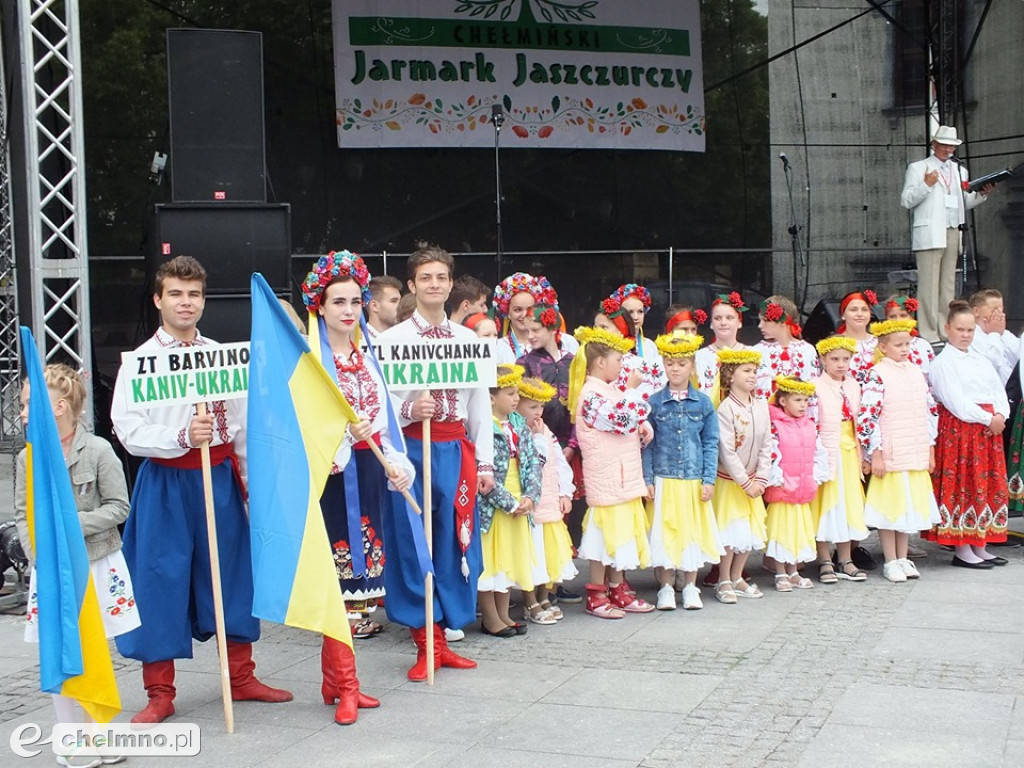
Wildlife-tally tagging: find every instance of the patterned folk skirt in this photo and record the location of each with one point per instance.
(969, 482)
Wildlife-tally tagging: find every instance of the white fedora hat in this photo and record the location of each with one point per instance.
(946, 135)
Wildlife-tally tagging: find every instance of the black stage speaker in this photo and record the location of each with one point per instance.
(229, 318)
(231, 242)
(825, 318)
(215, 88)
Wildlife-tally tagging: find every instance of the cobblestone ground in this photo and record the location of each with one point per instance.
(774, 681)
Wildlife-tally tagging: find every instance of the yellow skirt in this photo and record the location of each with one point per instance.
(558, 552)
(616, 536)
(790, 533)
(684, 534)
(740, 518)
(901, 501)
(508, 554)
(837, 512)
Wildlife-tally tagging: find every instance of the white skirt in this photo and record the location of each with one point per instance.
(114, 593)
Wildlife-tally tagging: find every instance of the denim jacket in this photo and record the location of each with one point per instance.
(685, 445)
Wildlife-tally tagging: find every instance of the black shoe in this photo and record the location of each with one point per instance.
(996, 560)
(1011, 542)
(505, 632)
(863, 559)
(519, 628)
(984, 565)
(564, 595)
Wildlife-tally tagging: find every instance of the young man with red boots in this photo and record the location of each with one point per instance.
(165, 537)
(462, 451)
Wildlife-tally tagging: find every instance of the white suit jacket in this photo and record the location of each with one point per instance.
(928, 205)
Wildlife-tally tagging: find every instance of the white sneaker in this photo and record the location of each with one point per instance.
(893, 571)
(80, 760)
(453, 635)
(691, 598)
(909, 569)
(666, 598)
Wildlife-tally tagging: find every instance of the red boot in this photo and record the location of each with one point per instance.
(158, 677)
(418, 672)
(624, 598)
(244, 685)
(338, 664)
(445, 655)
(599, 605)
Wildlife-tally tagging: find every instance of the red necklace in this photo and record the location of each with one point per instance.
(356, 365)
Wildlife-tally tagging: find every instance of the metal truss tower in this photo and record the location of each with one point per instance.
(946, 58)
(57, 261)
(10, 385)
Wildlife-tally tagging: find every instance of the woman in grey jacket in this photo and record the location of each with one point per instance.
(101, 496)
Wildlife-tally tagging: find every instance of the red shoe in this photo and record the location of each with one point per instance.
(621, 597)
(158, 677)
(599, 605)
(244, 685)
(446, 656)
(338, 665)
(418, 672)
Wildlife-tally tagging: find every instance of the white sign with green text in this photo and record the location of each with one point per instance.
(176, 375)
(608, 74)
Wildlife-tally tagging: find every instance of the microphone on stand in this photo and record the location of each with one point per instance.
(785, 160)
(497, 116)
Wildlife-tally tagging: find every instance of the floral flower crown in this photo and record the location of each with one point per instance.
(730, 356)
(589, 335)
(774, 313)
(544, 292)
(793, 386)
(906, 302)
(517, 282)
(635, 291)
(513, 376)
(678, 344)
(546, 315)
(832, 343)
(697, 317)
(893, 326)
(327, 268)
(536, 389)
(733, 300)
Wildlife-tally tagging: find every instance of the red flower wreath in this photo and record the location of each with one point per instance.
(549, 318)
(871, 297)
(701, 316)
(773, 313)
(610, 305)
(911, 305)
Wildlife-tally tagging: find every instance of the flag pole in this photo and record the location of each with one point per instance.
(389, 470)
(218, 595)
(428, 524)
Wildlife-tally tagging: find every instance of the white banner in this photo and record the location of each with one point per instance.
(159, 377)
(410, 361)
(602, 74)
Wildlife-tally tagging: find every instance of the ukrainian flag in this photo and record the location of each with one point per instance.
(74, 657)
(297, 418)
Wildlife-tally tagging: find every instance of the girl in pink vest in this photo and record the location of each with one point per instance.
(726, 320)
(744, 463)
(609, 423)
(838, 509)
(783, 351)
(799, 463)
(550, 536)
(970, 473)
(896, 427)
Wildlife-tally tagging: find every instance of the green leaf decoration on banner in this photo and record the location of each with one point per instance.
(555, 103)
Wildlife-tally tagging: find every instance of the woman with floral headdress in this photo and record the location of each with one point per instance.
(899, 307)
(726, 319)
(636, 301)
(513, 298)
(356, 495)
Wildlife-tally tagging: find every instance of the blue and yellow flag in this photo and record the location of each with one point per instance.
(74, 656)
(297, 418)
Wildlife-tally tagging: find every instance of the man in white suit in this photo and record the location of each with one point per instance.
(932, 193)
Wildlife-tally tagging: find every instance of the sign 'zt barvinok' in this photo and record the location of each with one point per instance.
(603, 74)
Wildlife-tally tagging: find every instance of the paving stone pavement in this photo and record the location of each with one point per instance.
(928, 673)
(919, 674)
